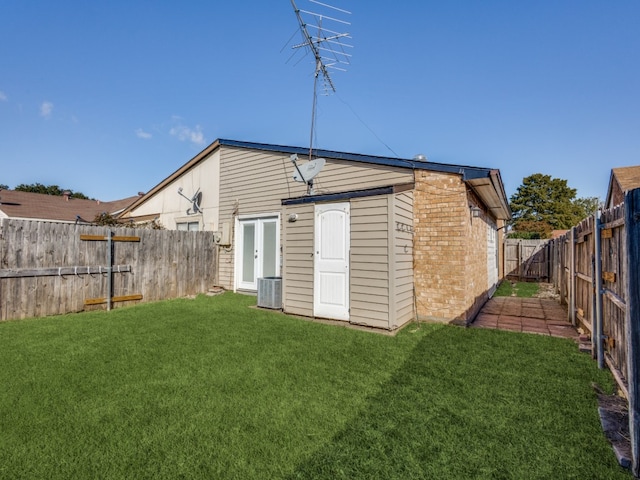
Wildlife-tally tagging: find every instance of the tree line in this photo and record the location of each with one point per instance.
(46, 190)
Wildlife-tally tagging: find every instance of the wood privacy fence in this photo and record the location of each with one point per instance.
(526, 259)
(596, 269)
(53, 268)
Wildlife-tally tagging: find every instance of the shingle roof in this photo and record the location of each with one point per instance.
(485, 181)
(37, 206)
(621, 180)
(628, 177)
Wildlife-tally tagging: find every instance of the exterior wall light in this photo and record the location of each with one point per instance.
(475, 211)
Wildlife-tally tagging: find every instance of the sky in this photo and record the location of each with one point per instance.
(108, 98)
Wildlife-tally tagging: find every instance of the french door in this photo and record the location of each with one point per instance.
(257, 252)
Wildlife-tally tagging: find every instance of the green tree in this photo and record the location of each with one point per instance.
(106, 219)
(4, 187)
(588, 205)
(49, 190)
(543, 203)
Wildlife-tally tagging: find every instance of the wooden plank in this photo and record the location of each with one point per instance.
(122, 298)
(61, 271)
(93, 237)
(609, 276)
(613, 224)
(120, 238)
(617, 375)
(584, 277)
(613, 298)
(632, 319)
(606, 233)
(115, 238)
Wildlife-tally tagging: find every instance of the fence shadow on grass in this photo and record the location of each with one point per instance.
(476, 404)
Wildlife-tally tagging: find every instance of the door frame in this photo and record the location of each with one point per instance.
(339, 312)
(239, 242)
(493, 257)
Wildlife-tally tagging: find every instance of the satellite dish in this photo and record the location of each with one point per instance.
(308, 171)
(196, 201)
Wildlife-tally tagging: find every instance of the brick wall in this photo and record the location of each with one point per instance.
(450, 251)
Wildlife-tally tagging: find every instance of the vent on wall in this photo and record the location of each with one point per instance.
(270, 292)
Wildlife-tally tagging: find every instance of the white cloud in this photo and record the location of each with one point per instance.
(184, 133)
(46, 109)
(142, 134)
(3, 97)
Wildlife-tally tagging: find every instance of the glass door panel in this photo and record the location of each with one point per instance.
(269, 249)
(248, 253)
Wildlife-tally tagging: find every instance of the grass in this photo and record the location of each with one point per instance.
(210, 388)
(517, 289)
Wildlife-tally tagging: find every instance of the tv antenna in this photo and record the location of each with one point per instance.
(196, 201)
(327, 46)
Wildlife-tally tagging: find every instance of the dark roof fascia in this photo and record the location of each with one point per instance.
(334, 197)
(467, 172)
(496, 178)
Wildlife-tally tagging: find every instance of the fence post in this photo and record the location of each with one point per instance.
(520, 269)
(572, 277)
(597, 291)
(109, 269)
(632, 318)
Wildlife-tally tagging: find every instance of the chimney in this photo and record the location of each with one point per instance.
(66, 194)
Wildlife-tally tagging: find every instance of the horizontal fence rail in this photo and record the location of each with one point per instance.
(51, 268)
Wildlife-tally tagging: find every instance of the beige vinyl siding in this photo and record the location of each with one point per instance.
(254, 182)
(251, 183)
(403, 261)
(370, 262)
(342, 176)
(297, 265)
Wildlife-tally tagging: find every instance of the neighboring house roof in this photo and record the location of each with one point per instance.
(622, 180)
(38, 206)
(486, 182)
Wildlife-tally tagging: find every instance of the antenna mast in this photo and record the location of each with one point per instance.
(326, 46)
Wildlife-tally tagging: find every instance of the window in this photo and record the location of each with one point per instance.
(188, 226)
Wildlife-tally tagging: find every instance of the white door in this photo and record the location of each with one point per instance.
(257, 251)
(331, 265)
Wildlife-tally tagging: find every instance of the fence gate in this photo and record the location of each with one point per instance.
(527, 259)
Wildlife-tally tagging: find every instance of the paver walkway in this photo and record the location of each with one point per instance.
(531, 315)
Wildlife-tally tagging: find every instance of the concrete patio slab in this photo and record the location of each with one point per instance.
(541, 316)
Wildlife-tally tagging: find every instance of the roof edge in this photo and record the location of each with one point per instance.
(176, 174)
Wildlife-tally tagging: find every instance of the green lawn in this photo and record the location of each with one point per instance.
(517, 289)
(210, 388)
